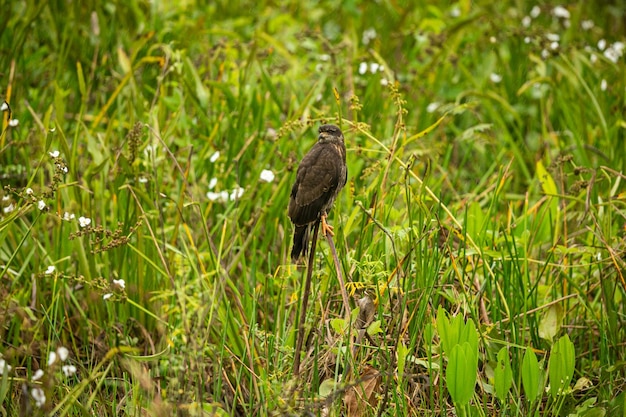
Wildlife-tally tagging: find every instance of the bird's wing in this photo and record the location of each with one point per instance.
(316, 181)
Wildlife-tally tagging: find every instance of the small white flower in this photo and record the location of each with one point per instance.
(534, 12)
(374, 67)
(526, 20)
(212, 183)
(362, 68)
(236, 194)
(324, 57)
(553, 37)
(455, 12)
(29, 191)
(38, 375)
(52, 358)
(587, 24)
(601, 44)
(560, 11)
(554, 46)
(68, 370)
(603, 85)
(384, 82)
(527, 39)
(8, 209)
(64, 169)
(215, 196)
(143, 180)
(545, 54)
(432, 107)
(39, 396)
(4, 106)
(619, 47)
(271, 133)
(6, 197)
(14, 122)
(4, 366)
(567, 23)
(612, 55)
(84, 221)
(41, 205)
(120, 283)
(54, 154)
(267, 175)
(493, 39)
(593, 58)
(495, 78)
(368, 35)
(68, 216)
(107, 296)
(50, 270)
(52, 130)
(214, 157)
(63, 353)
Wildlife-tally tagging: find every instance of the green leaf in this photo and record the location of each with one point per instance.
(503, 375)
(550, 323)
(530, 375)
(461, 373)
(561, 366)
(403, 352)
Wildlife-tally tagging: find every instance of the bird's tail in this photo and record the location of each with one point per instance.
(300, 242)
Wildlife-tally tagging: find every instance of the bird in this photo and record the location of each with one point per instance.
(322, 173)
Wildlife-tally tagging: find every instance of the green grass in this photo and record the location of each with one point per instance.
(486, 169)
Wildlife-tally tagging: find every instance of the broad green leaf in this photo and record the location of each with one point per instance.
(503, 375)
(561, 366)
(530, 375)
(461, 373)
(403, 351)
(550, 323)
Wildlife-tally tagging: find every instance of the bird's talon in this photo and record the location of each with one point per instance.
(326, 228)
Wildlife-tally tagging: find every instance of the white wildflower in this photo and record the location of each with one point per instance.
(68, 370)
(526, 21)
(553, 37)
(493, 39)
(6, 197)
(527, 39)
(39, 396)
(587, 24)
(120, 283)
(68, 216)
(384, 82)
(143, 180)
(29, 191)
(432, 107)
(107, 296)
(368, 35)
(54, 154)
(63, 353)
(50, 270)
(14, 122)
(38, 374)
(601, 44)
(267, 175)
(374, 67)
(84, 221)
(554, 46)
(362, 68)
(41, 205)
(560, 11)
(535, 12)
(324, 57)
(455, 11)
(593, 58)
(495, 78)
(214, 157)
(271, 133)
(52, 358)
(212, 183)
(603, 85)
(612, 55)
(4, 366)
(8, 209)
(4, 106)
(236, 193)
(545, 54)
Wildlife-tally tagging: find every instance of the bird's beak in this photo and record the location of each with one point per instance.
(321, 136)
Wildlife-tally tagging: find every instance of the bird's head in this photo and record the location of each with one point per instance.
(330, 134)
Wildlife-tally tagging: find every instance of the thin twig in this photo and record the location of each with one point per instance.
(305, 301)
(344, 294)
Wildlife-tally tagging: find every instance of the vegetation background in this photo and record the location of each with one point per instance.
(146, 157)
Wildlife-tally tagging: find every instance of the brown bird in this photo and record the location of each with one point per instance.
(320, 176)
